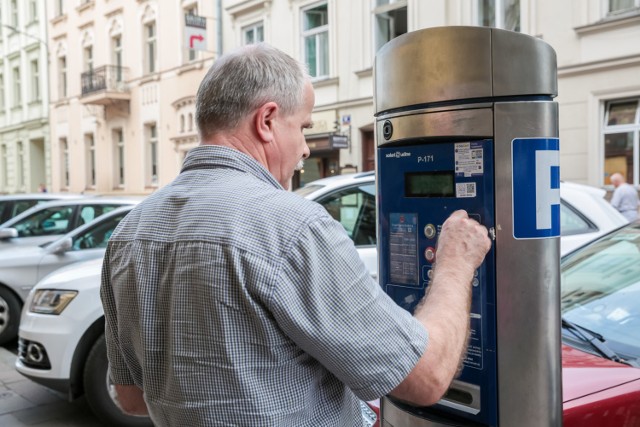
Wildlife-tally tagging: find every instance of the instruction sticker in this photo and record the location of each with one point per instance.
(465, 189)
(469, 158)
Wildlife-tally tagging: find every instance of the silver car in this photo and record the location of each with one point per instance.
(11, 205)
(46, 222)
(22, 267)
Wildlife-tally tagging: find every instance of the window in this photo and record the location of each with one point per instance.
(315, 34)
(152, 155)
(2, 105)
(573, 222)
(87, 58)
(355, 209)
(621, 140)
(150, 47)
(390, 21)
(503, 14)
(62, 77)
(59, 4)
(191, 53)
(620, 6)
(253, 34)
(64, 150)
(116, 43)
(90, 212)
(33, 11)
(20, 164)
(5, 166)
(46, 222)
(91, 159)
(18, 207)
(118, 143)
(98, 236)
(35, 81)
(14, 14)
(17, 87)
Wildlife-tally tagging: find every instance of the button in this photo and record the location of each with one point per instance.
(429, 231)
(475, 283)
(430, 274)
(430, 254)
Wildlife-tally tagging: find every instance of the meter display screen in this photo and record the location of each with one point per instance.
(429, 184)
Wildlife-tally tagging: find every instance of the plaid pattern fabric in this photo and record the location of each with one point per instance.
(231, 301)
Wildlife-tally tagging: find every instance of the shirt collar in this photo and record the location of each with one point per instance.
(217, 156)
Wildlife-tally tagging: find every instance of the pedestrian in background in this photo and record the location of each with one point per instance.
(230, 300)
(625, 197)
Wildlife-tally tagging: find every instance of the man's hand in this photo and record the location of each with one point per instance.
(130, 399)
(444, 312)
(463, 243)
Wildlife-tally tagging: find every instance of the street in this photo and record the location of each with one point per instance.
(24, 403)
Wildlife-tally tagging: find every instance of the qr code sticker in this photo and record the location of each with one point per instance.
(465, 189)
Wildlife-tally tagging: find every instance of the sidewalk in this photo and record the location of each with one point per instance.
(24, 403)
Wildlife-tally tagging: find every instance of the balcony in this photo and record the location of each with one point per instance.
(105, 85)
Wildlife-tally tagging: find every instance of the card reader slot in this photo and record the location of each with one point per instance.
(462, 396)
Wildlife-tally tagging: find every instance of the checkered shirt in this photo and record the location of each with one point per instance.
(231, 301)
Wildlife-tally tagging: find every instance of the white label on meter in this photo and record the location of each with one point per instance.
(465, 189)
(469, 158)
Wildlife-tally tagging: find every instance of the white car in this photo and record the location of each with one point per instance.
(22, 267)
(62, 344)
(585, 214)
(48, 221)
(62, 328)
(12, 205)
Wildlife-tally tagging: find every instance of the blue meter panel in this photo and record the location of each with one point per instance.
(419, 186)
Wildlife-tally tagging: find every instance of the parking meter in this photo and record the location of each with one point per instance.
(465, 119)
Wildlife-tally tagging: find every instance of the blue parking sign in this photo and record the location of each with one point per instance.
(535, 166)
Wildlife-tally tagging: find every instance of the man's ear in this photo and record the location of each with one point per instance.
(264, 121)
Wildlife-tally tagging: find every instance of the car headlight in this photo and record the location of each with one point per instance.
(51, 301)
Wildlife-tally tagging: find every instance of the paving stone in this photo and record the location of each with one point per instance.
(40, 414)
(11, 402)
(8, 420)
(24, 403)
(35, 393)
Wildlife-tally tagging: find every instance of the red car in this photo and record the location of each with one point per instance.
(601, 332)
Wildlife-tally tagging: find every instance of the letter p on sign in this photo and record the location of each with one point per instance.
(535, 166)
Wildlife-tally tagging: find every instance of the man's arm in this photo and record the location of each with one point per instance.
(616, 199)
(130, 399)
(444, 311)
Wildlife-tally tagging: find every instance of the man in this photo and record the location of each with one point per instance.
(229, 300)
(625, 197)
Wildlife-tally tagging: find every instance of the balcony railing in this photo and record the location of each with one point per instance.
(108, 78)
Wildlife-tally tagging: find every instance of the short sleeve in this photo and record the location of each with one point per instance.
(118, 369)
(327, 303)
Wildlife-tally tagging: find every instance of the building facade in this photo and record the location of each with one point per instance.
(25, 162)
(597, 44)
(123, 88)
(123, 92)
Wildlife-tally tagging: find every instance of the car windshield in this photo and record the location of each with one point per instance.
(601, 289)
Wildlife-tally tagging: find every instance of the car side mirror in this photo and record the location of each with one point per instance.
(8, 233)
(61, 246)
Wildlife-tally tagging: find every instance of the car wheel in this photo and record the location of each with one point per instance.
(10, 308)
(97, 387)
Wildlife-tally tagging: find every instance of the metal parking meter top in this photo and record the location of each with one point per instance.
(465, 119)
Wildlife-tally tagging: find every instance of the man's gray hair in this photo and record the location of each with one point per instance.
(243, 80)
